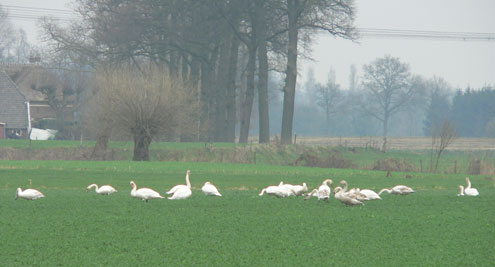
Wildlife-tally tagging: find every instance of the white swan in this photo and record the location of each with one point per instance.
(370, 194)
(210, 190)
(324, 190)
(398, 190)
(353, 193)
(297, 189)
(179, 186)
(144, 193)
(278, 191)
(103, 190)
(340, 195)
(30, 194)
(469, 190)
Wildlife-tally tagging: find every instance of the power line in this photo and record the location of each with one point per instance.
(21, 13)
(417, 34)
(36, 9)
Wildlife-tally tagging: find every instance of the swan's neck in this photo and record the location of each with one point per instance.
(95, 186)
(19, 190)
(188, 183)
(384, 190)
(133, 191)
(469, 184)
(345, 187)
(262, 192)
(461, 189)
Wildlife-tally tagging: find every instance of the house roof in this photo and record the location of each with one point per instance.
(28, 76)
(13, 109)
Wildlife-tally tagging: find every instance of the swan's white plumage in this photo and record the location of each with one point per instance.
(370, 194)
(398, 190)
(144, 193)
(340, 195)
(102, 190)
(468, 191)
(297, 189)
(324, 190)
(210, 190)
(30, 194)
(278, 191)
(177, 187)
(181, 191)
(353, 192)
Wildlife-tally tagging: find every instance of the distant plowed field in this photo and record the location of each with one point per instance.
(398, 142)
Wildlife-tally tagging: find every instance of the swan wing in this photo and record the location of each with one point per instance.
(107, 189)
(147, 193)
(181, 193)
(31, 194)
(175, 188)
(471, 192)
(370, 194)
(210, 190)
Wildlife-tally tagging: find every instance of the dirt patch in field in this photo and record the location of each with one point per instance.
(239, 188)
(397, 165)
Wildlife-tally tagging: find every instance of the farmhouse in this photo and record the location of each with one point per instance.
(44, 91)
(14, 109)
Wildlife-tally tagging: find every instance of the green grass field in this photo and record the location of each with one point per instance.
(70, 227)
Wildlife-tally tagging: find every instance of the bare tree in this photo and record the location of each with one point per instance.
(353, 78)
(390, 87)
(329, 98)
(143, 104)
(441, 138)
(333, 16)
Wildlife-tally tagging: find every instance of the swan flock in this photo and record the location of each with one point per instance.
(353, 196)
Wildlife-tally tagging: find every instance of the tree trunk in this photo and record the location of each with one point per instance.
(247, 105)
(190, 76)
(263, 109)
(231, 91)
(101, 146)
(142, 143)
(221, 93)
(328, 121)
(184, 68)
(212, 100)
(207, 99)
(385, 130)
(291, 74)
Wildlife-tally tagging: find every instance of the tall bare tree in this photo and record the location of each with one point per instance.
(333, 16)
(441, 137)
(390, 87)
(329, 98)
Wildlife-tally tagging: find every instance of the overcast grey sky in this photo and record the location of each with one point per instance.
(461, 63)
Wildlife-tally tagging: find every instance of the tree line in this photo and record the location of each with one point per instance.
(225, 49)
(235, 62)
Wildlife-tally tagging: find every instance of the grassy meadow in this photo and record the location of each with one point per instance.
(70, 227)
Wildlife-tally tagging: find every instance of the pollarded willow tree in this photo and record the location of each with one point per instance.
(143, 104)
(389, 87)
